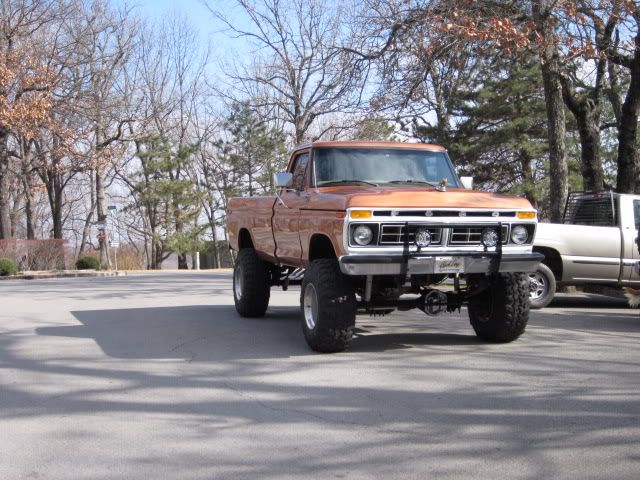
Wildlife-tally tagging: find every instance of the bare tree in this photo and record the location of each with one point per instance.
(105, 39)
(298, 74)
(25, 85)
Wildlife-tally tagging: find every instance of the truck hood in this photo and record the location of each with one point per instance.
(341, 198)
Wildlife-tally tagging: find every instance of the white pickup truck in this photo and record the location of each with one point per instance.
(597, 244)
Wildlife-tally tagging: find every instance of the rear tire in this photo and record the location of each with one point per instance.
(328, 305)
(251, 284)
(500, 313)
(542, 286)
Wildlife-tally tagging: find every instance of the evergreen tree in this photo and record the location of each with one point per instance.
(254, 149)
(169, 202)
(501, 137)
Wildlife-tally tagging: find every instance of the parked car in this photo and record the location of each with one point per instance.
(594, 246)
(368, 227)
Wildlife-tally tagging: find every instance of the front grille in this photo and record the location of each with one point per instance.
(472, 235)
(393, 234)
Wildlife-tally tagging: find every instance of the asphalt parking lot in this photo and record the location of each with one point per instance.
(155, 376)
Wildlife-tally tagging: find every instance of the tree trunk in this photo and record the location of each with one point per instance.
(28, 193)
(586, 111)
(591, 163)
(182, 262)
(527, 178)
(101, 208)
(56, 209)
(628, 158)
(216, 250)
(558, 171)
(5, 182)
(86, 230)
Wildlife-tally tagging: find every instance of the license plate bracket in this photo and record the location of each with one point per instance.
(449, 265)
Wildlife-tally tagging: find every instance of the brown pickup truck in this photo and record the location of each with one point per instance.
(370, 227)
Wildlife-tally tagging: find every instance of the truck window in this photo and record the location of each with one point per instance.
(636, 213)
(382, 165)
(299, 169)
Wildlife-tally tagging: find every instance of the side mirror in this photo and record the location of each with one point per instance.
(467, 182)
(282, 179)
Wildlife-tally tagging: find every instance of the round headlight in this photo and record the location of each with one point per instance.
(489, 237)
(519, 235)
(362, 235)
(422, 238)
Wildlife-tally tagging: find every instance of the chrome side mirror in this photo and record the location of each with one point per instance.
(467, 182)
(282, 179)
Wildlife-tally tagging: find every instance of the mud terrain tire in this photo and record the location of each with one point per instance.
(500, 313)
(251, 284)
(328, 305)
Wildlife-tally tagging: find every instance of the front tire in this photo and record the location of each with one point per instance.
(251, 284)
(542, 286)
(328, 305)
(500, 313)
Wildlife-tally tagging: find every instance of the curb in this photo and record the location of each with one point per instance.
(94, 273)
(68, 274)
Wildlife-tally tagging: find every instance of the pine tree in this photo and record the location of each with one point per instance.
(501, 137)
(169, 202)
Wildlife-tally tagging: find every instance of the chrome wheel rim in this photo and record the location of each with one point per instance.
(538, 285)
(310, 306)
(237, 282)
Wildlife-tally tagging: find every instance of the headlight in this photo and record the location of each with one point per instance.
(362, 235)
(489, 237)
(422, 238)
(519, 235)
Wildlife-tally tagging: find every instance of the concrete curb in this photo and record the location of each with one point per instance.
(64, 274)
(94, 273)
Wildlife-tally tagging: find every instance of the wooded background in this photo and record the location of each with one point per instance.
(99, 107)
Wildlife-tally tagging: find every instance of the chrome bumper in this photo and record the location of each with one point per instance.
(422, 264)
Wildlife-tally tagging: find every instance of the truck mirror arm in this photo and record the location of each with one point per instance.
(280, 198)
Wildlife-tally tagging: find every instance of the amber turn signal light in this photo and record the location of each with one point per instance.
(526, 215)
(361, 214)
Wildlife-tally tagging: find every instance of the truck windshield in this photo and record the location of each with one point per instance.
(381, 165)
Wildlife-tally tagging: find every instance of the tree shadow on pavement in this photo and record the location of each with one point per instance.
(224, 377)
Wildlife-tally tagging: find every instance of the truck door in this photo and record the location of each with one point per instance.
(286, 215)
(634, 275)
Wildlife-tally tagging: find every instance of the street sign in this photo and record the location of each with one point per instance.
(114, 244)
(112, 207)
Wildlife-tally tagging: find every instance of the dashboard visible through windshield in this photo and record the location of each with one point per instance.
(367, 166)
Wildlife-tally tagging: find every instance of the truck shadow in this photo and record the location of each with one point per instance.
(586, 300)
(210, 333)
(201, 332)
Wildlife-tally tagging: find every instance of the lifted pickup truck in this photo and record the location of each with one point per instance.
(595, 246)
(370, 227)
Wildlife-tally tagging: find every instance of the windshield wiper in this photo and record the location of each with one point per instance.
(341, 182)
(409, 181)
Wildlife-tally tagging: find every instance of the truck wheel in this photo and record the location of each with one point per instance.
(328, 306)
(542, 286)
(500, 313)
(251, 284)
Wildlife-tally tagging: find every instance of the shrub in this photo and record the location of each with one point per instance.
(88, 263)
(129, 258)
(7, 267)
